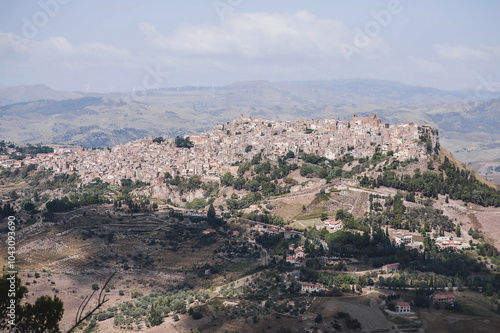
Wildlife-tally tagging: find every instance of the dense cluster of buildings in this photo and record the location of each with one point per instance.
(216, 150)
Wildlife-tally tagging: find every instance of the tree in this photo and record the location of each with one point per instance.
(42, 316)
(159, 139)
(342, 214)
(81, 315)
(227, 179)
(183, 142)
(458, 232)
(29, 206)
(20, 292)
(318, 319)
(197, 315)
(211, 212)
(391, 306)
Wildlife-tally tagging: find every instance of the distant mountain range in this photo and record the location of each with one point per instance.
(12, 95)
(38, 114)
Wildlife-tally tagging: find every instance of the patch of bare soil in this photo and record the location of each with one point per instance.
(289, 207)
(486, 219)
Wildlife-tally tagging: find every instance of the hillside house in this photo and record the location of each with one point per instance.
(447, 298)
(291, 260)
(407, 238)
(299, 254)
(306, 287)
(402, 307)
(390, 267)
(332, 225)
(336, 226)
(451, 244)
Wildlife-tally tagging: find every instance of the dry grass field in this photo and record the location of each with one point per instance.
(65, 259)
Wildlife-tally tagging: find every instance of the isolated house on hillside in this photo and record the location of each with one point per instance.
(306, 287)
(402, 307)
(407, 238)
(448, 298)
(390, 267)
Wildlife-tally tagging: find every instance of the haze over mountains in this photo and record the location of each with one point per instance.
(38, 114)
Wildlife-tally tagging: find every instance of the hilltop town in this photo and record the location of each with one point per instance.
(335, 219)
(214, 152)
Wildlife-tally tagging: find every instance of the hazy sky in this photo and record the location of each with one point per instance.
(121, 45)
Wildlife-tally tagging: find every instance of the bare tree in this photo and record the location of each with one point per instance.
(101, 299)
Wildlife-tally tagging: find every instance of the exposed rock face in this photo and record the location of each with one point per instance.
(165, 192)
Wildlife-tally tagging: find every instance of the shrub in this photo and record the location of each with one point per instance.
(197, 315)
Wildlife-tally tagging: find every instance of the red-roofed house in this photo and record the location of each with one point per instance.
(450, 299)
(332, 225)
(402, 307)
(390, 267)
(336, 225)
(306, 287)
(300, 254)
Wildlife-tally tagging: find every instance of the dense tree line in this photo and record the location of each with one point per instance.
(376, 248)
(449, 180)
(65, 203)
(428, 269)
